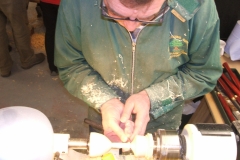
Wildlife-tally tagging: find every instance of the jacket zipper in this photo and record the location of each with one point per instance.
(133, 52)
(133, 65)
(134, 43)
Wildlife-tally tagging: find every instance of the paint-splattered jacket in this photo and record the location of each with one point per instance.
(178, 60)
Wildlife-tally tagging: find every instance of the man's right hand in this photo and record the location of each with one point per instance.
(113, 128)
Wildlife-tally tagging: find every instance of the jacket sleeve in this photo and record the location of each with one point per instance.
(199, 75)
(78, 76)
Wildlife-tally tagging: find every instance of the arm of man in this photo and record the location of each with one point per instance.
(193, 79)
(79, 78)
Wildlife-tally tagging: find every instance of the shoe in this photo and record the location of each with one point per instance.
(36, 59)
(5, 73)
(54, 73)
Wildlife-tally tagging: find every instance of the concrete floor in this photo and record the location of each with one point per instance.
(37, 89)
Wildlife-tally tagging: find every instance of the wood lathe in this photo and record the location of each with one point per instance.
(26, 133)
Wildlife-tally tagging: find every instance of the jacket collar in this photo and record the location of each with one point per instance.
(185, 9)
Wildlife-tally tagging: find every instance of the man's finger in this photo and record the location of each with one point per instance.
(140, 125)
(127, 112)
(112, 136)
(129, 127)
(120, 133)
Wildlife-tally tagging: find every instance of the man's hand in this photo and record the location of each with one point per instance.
(138, 104)
(113, 128)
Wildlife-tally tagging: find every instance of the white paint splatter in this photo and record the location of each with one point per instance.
(94, 95)
(120, 56)
(118, 82)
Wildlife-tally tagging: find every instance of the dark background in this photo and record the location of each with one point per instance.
(229, 14)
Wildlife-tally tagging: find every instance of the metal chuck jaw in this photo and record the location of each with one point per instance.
(196, 142)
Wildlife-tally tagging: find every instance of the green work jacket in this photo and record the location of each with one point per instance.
(176, 61)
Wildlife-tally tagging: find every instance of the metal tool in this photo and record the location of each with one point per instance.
(229, 93)
(232, 75)
(226, 107)
(231, 85)
(93, 124)
(236, 114)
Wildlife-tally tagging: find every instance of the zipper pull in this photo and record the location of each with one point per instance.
(133, 46)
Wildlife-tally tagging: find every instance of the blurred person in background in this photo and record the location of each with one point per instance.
(49, 13)
(16, 13)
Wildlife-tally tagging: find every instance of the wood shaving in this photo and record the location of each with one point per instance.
(37, 41)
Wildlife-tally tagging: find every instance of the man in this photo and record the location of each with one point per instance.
(137, 61)
(16, 13)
